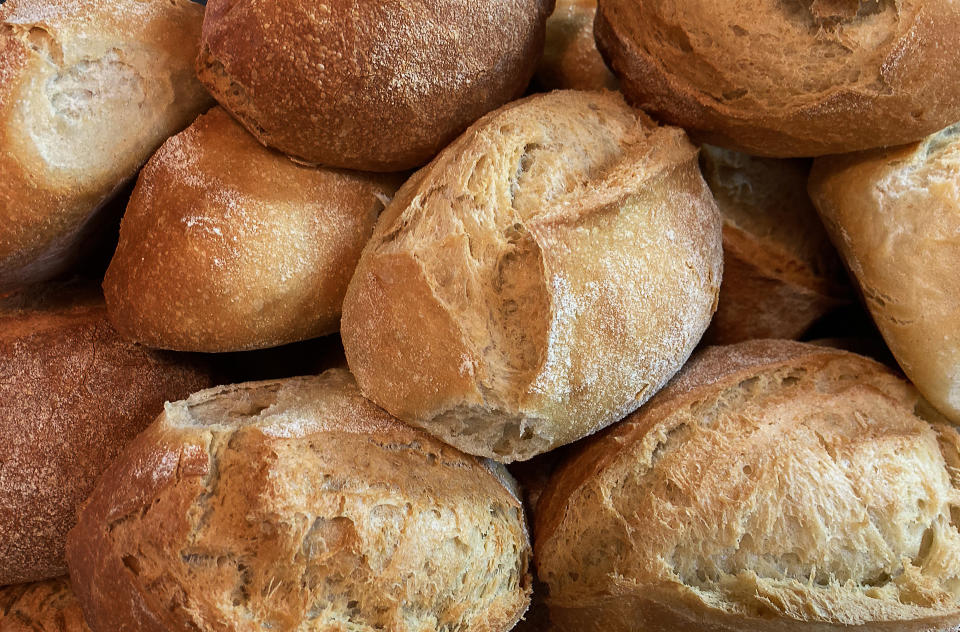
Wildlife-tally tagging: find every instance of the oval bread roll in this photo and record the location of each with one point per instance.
(228, 246)
(539, 280)
(789, 78)
(73, 393)
(298, 505)
(773, 486)
(48, 606)
(780, 271)
(571, 60)
(378, 86)
(88, 90)
(895, 217)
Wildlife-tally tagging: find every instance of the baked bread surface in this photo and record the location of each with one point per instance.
(789, 78)
(73, 393)
(88, 90)
(571, 60)
(780, 271)
(228, 246)
(47, 606)
(298, 505)
(895, 217)
(539, 280)
(377, 86)
(771, 486)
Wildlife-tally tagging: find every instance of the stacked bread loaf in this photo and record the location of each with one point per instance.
(497, 223)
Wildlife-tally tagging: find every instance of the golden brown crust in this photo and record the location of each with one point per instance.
(780, 271)
(88, 90)
(73, 393)
(378, 86)
(571, 60)
(540, 279)
(792, 78)
(229, 246)
(48, 606)
(895, 216)
(298, 504)
(771, 486)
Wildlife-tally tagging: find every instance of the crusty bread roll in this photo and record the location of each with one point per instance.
(773, 486)
(378, 86)
(298, 505)
(228, 246)
(895, 217)
(570, 56)
(88, 90)
(539, 280)
(72, 394)
(780, 271)
(788, 78)
(47, 606)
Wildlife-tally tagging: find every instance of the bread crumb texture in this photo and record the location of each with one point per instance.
(48, 606)
(298, 505)
(789, 77)
(88, 90)
(895, 217)
(539, 280)
(771, 486)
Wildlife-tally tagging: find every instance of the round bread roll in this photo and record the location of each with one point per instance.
(88, 90)
(48, 606)
(780, 271)
(789, 78)
(773, 486)
(570, 56)
(378, 86)
(73, 393)
(298, 505)
(228, 246)
(540, 279)
(895, 217)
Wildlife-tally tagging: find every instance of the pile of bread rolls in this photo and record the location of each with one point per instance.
(688, 268)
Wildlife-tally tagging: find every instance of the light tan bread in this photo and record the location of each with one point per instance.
(895, 217)
(227, 245)
(788, 78)
(88, 90)
(73, 393)
(773, 486)
(780, 271)
(298, 505)
(47, 606)
(378, 86)
(539, 280)
(571, 60)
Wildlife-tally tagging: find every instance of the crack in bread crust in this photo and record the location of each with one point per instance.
(803, 490)
(297, 504)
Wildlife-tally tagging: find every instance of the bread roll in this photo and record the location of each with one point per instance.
(378, 86)
(298, 505)
(88, 90)
(773, 486)
(780, 271)
(570, 56)
(72, 394)
(228, 246)
(539, 280)
(789, 78)
(48, 606)
(895, 217)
